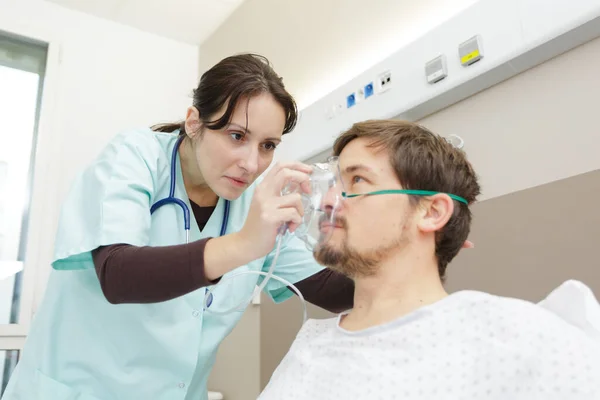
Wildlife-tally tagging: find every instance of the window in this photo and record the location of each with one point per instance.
(22, 68)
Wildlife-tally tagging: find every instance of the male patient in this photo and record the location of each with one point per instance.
(406, 338)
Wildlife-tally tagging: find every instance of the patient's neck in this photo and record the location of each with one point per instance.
(402, 284)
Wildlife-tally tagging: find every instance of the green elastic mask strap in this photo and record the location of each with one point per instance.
(406, 191)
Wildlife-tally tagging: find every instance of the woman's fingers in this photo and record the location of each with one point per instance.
(293, 200)
(288, 173)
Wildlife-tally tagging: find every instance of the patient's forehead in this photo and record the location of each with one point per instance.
(361, 158)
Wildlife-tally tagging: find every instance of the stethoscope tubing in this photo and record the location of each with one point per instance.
(171, 199)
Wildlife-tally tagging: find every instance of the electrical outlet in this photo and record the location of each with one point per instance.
(350, 100)
(330, 112)
(334, 110)
(360, 95)
(369, 90)
(384, 81)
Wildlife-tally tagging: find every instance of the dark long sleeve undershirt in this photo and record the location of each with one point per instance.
(131, 274)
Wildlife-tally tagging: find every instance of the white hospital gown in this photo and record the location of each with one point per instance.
(470, 345)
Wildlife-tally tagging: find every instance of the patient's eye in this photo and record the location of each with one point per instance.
(357, 179)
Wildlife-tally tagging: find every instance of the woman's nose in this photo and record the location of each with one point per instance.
(250, 161)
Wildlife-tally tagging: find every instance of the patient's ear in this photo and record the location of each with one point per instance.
(435, 212)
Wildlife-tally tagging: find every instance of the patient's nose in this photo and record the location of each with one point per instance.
(332, 200)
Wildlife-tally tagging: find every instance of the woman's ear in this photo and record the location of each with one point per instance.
(192, 122)
(437, 211)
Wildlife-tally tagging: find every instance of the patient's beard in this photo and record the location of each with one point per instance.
(356, 264)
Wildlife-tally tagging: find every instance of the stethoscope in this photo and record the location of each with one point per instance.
(171, 199)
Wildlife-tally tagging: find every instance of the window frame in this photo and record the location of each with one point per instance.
(36, 250)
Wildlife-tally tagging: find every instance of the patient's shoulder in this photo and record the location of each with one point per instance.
(313, 328)
(513, 310)
(524, 324)
(506, 311)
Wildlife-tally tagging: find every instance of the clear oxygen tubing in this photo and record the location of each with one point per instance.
(268, 275)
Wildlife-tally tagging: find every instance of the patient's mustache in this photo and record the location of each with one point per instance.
(338, 221)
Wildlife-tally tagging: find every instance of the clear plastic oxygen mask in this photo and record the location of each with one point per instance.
(320, 203)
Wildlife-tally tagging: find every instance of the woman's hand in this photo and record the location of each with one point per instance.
(270, 210)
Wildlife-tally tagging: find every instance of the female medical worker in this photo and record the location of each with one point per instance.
(124, 315)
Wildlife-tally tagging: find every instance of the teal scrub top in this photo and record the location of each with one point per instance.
(82, 347)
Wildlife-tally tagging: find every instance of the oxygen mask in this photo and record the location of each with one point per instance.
(320, 203)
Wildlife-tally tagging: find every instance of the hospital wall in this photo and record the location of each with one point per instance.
(539, 126)
(319, 45)
(102, 77)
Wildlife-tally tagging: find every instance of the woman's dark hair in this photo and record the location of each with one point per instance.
(233, 78)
